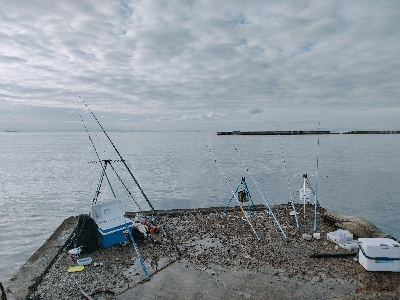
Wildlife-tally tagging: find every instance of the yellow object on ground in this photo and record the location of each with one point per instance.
(76, 269)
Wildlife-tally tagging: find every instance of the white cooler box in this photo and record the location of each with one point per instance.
(379, 254)
(111, 222)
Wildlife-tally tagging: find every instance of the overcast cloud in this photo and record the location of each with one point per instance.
(200, 65)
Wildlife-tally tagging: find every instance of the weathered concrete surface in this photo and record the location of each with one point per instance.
(218, 263)
(38, 264)
(182, 281)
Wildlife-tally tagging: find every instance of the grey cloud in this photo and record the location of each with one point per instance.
(184, 60)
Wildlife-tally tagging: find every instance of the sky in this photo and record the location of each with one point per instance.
(200, 65)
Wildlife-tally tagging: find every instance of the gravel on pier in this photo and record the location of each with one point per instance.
(213, 238)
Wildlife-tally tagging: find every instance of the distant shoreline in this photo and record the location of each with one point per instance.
(307, 132)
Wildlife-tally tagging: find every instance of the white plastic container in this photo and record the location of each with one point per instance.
(349, 245)
(75, 253)
(316, 235)
(84, 261)
(379, 254)
(339, 236)
(111, 222)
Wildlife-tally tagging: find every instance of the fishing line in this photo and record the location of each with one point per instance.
(287, 177)
(98, 140)
(262, 196)
(227, 182)
(137, 184)
(115, 197)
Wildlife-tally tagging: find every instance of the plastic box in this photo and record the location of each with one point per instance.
(111, 222)
(349, 245)
(379, 254)
(339, 236)
(84, 261)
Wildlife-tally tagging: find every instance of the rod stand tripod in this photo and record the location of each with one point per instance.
(243, 197)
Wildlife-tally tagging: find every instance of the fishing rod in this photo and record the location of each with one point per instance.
(227, 182)
(287, 177)
(115, 197)
(115, 171)
(126, 188)
(137, 184)
(262, 196)
(316, 192)
(99, 160)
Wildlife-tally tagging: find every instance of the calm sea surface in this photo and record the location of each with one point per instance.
(47, 177)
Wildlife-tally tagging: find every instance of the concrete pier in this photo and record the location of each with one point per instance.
(32, 272)
(221, 260)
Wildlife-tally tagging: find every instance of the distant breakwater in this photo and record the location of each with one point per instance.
(306, 132)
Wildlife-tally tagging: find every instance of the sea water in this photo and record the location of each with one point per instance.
(47, 177)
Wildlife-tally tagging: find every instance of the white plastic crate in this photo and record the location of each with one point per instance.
(379, 254)
(339, 236)
(111, 222)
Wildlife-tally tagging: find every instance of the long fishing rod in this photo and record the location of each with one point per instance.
(227, 182)
(99, 160)
(316, 192)
(262, 196)
(123, 184)
(137, 184)
(287, 177)
(115, 197)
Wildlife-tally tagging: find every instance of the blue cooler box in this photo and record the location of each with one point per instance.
(111, 223)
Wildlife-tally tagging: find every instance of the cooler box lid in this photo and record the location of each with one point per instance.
(378, 247)
(108, 216)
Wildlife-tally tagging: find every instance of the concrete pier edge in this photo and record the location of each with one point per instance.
(31, 273)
